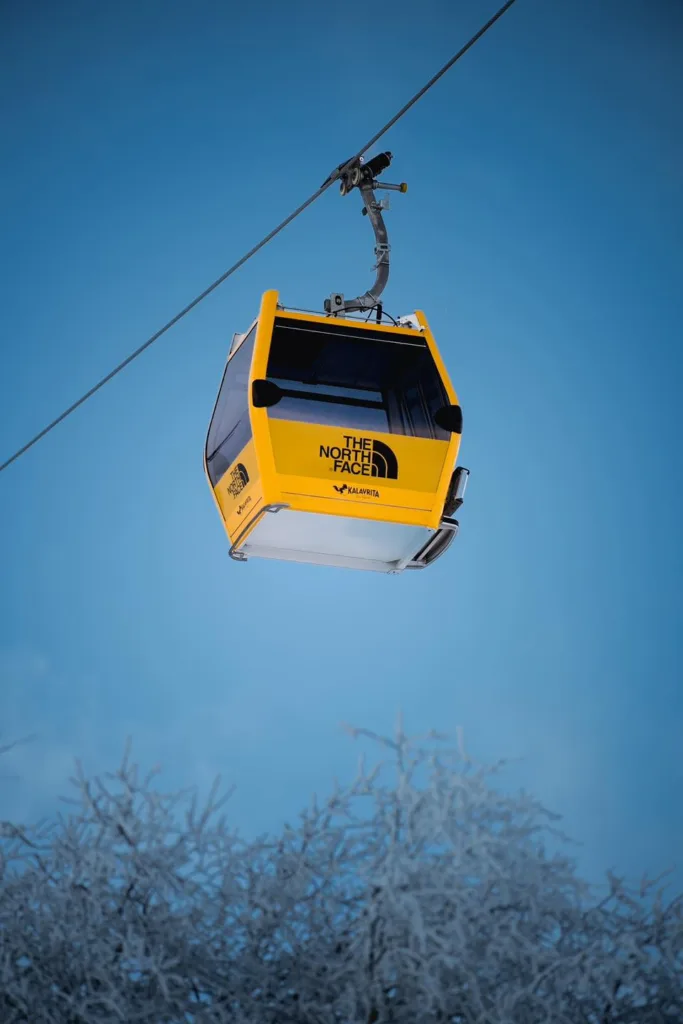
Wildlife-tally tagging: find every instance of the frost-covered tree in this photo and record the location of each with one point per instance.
(418, 893)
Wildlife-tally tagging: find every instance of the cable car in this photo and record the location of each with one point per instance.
(334, 439)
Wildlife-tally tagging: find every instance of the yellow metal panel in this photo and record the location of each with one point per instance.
(387, 472)
(454, 443)
(239, 491)
(344, 455)
(259, 417)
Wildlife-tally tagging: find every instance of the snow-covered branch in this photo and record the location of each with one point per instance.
(416, 893)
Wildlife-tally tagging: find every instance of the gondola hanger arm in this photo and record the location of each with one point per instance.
(363, 176)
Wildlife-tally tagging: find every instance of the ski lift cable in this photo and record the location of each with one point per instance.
(334, 176)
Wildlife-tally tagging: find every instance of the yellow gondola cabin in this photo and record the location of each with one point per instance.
(334, 441)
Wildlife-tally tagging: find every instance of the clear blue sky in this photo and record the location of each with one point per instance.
(144, 147)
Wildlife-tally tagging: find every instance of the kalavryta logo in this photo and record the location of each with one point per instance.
(361, 456)
(365, 492)
(245, 504)
(239, 478)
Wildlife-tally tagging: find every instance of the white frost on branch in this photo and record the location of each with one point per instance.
(418, 893)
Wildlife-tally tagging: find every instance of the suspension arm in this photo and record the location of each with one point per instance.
(363, 177)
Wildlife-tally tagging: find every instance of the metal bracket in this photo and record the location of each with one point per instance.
(409, 321)
(335, 303)
(437, 545)
(456, 490)
(440, 541)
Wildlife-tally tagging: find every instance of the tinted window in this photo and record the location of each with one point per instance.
(230, 428)
(328, 405)
(356, 378)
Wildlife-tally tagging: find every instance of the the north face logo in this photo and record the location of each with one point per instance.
(361, 456)
(239, 478)
(384, 462)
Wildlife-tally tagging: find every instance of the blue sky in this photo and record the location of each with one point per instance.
(145, 147)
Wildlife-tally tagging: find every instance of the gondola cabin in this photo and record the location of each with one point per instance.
(334, 441)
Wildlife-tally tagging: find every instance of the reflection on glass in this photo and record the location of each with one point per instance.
(373, 380)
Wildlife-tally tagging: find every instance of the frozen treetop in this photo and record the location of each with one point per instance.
(416, 893)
